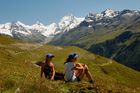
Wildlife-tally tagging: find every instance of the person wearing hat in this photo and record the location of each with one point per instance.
(48, 67)
(75, 71)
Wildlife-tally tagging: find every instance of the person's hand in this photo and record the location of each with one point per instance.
(73, 68)
(52, 79)
(85, 66)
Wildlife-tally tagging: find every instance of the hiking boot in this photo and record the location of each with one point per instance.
(78, 79)
(92, 81)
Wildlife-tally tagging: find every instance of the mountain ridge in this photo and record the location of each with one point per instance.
(108, 17)
(21, 31)
(94, 32)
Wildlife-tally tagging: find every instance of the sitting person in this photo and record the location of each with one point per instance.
(48, 69)
(75, 71)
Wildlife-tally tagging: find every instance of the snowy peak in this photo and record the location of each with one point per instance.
(18, 26)
(20, 29)
(69, 22)
(39, 23)
(128, 12)
(5, 29)
(110, 16)
(39, 27)
(18, 23)
(5, 26)
(53, 25)
(109, 13)
(50, 30)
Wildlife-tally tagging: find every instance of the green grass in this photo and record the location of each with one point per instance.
(17, 70)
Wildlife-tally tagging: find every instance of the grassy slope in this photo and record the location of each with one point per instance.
(17, 70)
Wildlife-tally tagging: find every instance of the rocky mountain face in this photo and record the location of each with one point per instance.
(99, 23)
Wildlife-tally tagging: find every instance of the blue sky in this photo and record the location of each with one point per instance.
(48, 11)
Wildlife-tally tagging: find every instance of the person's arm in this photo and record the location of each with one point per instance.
(53, 72)
(78, 66)
(42, 68)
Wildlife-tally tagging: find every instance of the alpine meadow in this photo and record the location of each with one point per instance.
(93, 45)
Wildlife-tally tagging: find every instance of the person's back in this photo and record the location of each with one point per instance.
(68, 71)
(76, 71)
(48, 68)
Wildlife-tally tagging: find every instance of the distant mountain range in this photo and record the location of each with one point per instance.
(42, 33)
(38, 32)
(113, 34)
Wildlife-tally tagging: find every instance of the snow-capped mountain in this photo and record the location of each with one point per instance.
(38, 27)
(108, 13)
(98, 23)
(20, 28)
(109, 17)
(69, 22)
(39, 30)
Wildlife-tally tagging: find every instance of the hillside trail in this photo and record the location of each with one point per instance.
(111, 58)
(30, 47)
(26, 46)
(108, 63)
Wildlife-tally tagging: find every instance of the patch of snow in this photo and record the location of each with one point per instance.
(5, 29)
